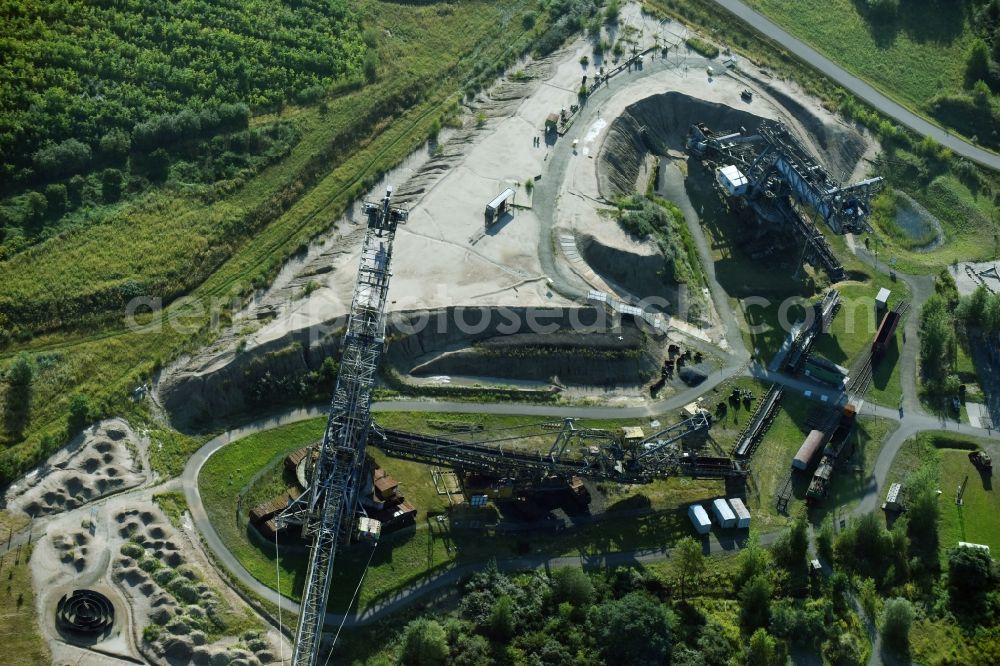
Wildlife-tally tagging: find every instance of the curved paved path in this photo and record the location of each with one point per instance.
(859, 87)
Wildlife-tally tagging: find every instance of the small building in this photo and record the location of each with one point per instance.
(699, 518)
(723, 514)
(496, 208)
(369, 529)
(980, 546)
(808, 450)
(815, 568)
(552, 122)
(882, 300)
(894, 499)
(632, 433)
(385, 485)
(741, 511)
(732, 180)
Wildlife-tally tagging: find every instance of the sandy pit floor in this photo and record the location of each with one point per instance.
(99, 462)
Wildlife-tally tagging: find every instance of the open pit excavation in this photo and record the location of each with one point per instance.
(556, 337)
(471, 317)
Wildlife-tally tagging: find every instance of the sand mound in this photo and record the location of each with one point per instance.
(98, 463)
(168, 593)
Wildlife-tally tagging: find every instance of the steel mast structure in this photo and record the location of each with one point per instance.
(326, 510)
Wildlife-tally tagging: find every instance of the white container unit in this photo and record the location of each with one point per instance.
(742, 514)
(699, 518)
(723, 514)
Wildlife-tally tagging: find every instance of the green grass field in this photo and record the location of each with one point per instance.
(948, 453)
(253, 467)
(913, 58)
(976, 519)
(23, 643)
(968, 219)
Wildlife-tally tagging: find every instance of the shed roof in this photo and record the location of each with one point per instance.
(722, 507)
(699, 513)
(503, 196)
(739, 508)
(732, 174)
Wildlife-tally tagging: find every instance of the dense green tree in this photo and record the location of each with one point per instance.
(844, 650)
(824, 540)
(111, 185)
(762, 651)
(470, 650)
(74, 190)
(896, 621)
(753, 561)
(424, 644)
(869, 599)
(57, 199)
(79, 414)
(37, 207)
(755, 603)
(688, 562)
(115, 144)
(715, 646)
(921, 522)
(573, 585)
(791, 551)
(977, 64)
(970, 577)
(501, 623)
(632, 630)
(21, 371)
(937, 340)
(62, 159)
(883, 10)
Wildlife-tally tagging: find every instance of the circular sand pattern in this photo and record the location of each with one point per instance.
(85, 612)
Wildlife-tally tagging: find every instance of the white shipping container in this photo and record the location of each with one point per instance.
(723, 514)
(699, 518)
(742, 514)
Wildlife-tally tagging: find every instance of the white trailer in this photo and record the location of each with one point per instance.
(723, 514)
(742, 514)
(699, 518)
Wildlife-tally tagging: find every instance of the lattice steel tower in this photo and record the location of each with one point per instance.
(328, 508)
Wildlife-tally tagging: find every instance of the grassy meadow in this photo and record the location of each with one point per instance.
(253, 467)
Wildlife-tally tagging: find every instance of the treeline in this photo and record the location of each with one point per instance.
(980, 312)
(682, 614)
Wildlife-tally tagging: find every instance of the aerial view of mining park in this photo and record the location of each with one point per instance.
(499, 332)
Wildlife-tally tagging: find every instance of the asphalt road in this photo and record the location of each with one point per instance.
(859, 87)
